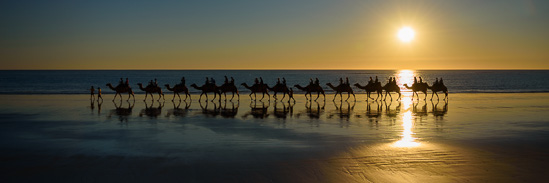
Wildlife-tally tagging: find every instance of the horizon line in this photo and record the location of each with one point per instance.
(276, 69)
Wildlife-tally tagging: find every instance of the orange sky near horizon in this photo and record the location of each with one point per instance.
(275, 35)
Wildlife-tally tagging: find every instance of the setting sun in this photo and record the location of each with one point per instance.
(406, 34)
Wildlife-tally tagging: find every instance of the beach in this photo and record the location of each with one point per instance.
(473, 137)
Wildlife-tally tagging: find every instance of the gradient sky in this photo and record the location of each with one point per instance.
(292, 34)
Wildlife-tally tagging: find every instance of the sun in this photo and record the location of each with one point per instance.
(406, 34)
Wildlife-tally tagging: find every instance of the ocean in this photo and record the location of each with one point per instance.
(457, 81)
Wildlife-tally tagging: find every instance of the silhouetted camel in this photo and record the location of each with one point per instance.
(438, 87)
(309, 89)
(121, 89)
(422, 87)
(340, 89)
(150, 89)
(391, 87)
(229, 87)
(258, 88)
(207, 89)
(280, 88)
(179, 88)
(371, 87)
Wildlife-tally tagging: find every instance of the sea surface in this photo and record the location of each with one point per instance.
(457, 81)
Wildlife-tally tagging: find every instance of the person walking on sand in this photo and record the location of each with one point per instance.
(99, 94)
(92, 91)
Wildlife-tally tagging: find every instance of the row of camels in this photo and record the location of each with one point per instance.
(260, 88)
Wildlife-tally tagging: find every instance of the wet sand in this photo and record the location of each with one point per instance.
(472, 137)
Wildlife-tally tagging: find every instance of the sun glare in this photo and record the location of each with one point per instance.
(406, 34)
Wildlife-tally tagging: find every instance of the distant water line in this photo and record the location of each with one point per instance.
(457, 81)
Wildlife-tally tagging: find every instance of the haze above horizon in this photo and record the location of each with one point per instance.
(294, 35)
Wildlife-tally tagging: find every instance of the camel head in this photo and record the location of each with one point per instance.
(357, 85)
(194, 85)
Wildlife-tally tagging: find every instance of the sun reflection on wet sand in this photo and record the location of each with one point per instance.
(407, 140)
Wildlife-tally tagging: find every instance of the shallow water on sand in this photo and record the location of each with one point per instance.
(471, 137)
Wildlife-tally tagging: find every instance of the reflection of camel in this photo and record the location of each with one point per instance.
(256, 111)
(121, 89)
(209, 112)
(439, 87)
(313, 113)
(280, 88)
(121, 112)
(284, 111)
(229, 87)
(150, 89)
(392, 113)
(309, 89)
(179, 88)
(152, 111)
(230, 112)
(258, 88)
(343, 114)
(422, 87)
(439, 112)
(177, 111)
(419, 112)
(207, 89)
(374, 113)
(371, 87)
(391, 87)
(340, 89)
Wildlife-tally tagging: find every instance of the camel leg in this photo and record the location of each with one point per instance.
(433, 95)
(317, 95)
(437, 96)
(425, 98)
(263, 96)
(354, 97)
(160, 95)
(283, 95)
(251, 96)
(268, 95)
(200, 98)
(225, 94)
(334, 96)
(398, 96)
(233, 96)
(178, 96)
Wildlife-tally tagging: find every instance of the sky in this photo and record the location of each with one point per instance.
(282, 34)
